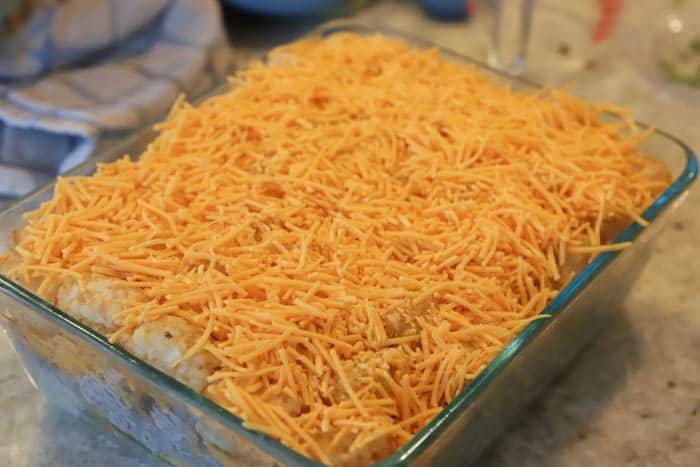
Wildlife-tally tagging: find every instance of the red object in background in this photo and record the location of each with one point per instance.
(470, 6)
(608, 11)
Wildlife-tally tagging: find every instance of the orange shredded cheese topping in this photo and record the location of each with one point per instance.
(355, 230)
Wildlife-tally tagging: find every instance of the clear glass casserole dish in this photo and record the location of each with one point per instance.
(79, 369)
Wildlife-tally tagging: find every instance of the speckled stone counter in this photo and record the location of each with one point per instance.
(632, 399)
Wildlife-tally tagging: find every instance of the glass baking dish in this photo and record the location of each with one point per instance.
(79, 369)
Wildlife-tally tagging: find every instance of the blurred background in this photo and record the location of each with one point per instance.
(76, 76)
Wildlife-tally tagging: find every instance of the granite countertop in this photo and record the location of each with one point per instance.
(632, 399)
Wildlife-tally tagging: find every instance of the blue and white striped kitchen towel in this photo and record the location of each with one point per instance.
(81, 69)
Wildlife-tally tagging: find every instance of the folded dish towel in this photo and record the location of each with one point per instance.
(76, 70)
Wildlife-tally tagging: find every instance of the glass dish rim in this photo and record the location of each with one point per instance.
(423, 439)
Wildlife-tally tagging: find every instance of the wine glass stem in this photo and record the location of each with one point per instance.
(510, 33)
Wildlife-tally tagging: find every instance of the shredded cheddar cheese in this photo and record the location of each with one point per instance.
(352, 233)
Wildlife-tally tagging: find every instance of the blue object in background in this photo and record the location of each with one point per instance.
(282, 7)
(446, 9)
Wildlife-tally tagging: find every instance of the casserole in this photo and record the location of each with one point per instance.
(182, 430)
